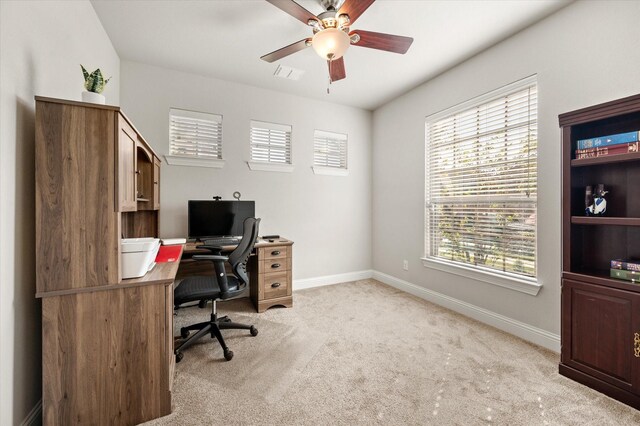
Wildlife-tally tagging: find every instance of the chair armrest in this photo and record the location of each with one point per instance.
(213, 249)
(210, 257)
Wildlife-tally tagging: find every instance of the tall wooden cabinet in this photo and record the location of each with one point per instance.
(107, 342)
(601, 315)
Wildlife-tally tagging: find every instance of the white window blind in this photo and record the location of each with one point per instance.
(329, 149)
(481, 182)
(270, 142)
(195, 134)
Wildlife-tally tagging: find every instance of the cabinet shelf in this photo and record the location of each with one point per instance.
(606, 159)
(143, 199)
(599, 220)
(601, 277)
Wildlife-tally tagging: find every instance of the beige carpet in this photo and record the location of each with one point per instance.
(366, 353)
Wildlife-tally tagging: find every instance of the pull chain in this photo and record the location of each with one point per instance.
(330, 58)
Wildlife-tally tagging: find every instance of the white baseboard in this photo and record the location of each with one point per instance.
(34, 417)
(332, 279)
(517, 328)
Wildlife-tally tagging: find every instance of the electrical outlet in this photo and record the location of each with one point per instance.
(405, 265)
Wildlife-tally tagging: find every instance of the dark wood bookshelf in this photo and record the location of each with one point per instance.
(600, 315)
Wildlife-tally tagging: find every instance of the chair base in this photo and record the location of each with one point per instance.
(212, 327)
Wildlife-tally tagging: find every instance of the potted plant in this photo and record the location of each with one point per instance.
(94, 83)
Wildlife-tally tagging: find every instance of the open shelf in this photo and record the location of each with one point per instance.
(603, 220)
(606, 159)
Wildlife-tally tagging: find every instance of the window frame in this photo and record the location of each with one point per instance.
(267, 165)
(194, 160)
(323, 168)
(521, 283)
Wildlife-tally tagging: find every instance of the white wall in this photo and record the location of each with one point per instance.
(328, 217)
(585, 54)
(42, 44)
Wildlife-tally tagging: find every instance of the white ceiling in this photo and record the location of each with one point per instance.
(225, 39)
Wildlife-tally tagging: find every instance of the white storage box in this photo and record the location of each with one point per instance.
(138, 256)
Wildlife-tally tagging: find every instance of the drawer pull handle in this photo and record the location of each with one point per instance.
(275, 285)
(275, 253)
(636, 345)
(275, 265)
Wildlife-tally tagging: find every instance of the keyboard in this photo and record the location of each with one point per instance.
(222, 241)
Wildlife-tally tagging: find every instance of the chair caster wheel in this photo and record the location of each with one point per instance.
(228, 355)
(254, 331)
(184, 333)
(179, 356)
(202, 304)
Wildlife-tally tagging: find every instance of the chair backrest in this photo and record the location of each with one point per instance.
(238, 258)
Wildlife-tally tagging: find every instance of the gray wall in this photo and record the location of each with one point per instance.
(328, 217)
(585, 54)
(42, 44)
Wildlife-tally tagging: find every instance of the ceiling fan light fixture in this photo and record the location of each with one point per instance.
(331, 43)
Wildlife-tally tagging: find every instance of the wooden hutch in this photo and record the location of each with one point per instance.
(107, 342)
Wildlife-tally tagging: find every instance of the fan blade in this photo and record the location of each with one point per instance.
(294, 9)
(381, 41)
(336, 69)
(354, 8)
(285, 51)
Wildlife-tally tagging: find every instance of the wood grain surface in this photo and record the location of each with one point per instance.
(105, 357)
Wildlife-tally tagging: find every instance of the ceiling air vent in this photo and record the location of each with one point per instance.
(284, 71)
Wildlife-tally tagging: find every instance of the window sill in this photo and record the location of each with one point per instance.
(270, 167)
(176, 160)
(330, 171)
(523, 285)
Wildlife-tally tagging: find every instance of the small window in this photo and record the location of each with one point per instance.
(195, 138)
(481, 183)
(329, 152)
(270, 146)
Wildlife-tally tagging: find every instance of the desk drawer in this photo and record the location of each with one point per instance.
(277, 252)
(276, 265)
(275, 284)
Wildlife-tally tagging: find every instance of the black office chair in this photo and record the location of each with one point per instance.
(218, 287)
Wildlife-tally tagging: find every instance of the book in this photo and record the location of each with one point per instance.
(631, 264)
(607, 140)
(624, 148)
(621, 274)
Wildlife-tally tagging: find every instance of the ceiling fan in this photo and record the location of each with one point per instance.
(332, 36)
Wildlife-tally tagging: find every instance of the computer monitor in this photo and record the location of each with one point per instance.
(210, 218)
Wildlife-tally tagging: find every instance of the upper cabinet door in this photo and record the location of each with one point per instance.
(126, 152)
(156, 183)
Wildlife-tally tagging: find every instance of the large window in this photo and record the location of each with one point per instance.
(481, 182)
(195, 138)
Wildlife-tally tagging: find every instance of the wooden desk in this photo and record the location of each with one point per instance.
(107, 342)
(269, 270)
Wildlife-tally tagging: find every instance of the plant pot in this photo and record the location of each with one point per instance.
(92, 97)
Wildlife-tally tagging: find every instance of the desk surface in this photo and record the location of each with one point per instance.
(162, 273)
